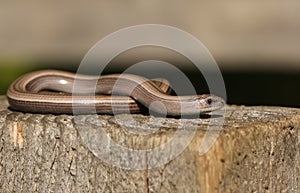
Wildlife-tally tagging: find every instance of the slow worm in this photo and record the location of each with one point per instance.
(58, 92)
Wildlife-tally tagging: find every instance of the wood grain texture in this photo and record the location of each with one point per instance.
(258, 150)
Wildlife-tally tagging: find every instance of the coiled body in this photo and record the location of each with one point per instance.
(58, 92)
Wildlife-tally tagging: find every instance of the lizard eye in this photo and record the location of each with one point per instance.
(209, 101)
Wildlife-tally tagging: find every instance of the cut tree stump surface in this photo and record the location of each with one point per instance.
(256, 149)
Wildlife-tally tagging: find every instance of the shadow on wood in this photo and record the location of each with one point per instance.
(256, 150)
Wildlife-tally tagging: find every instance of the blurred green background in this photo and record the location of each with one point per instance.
(255, 43)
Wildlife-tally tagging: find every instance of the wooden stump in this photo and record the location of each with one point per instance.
(257, 149)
